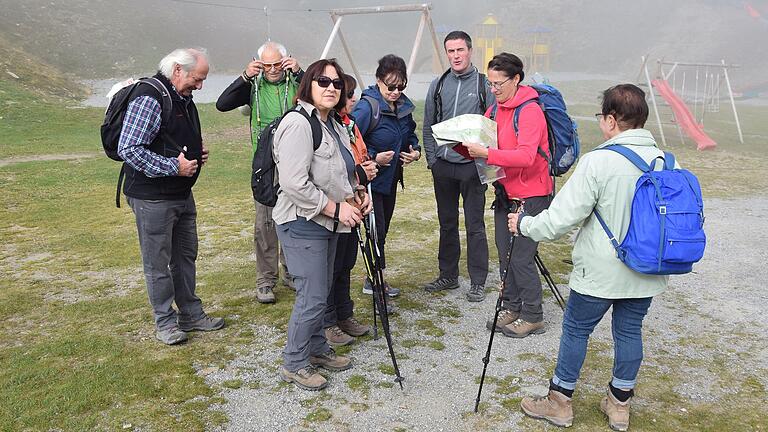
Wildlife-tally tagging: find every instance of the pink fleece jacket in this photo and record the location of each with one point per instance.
(527, 171)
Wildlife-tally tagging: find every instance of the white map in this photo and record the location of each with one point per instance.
(471, 128)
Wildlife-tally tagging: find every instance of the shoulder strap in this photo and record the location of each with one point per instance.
(611, 237)
(494, 108)
(516, 115)
(630, 155)
(669, 161)
(437, 99)
(314, 123)
(481, 91)
(375, 112)
(165, 97)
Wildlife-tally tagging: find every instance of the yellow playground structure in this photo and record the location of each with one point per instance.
(531, 45)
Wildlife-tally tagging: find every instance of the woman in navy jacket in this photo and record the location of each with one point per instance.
(384, 116)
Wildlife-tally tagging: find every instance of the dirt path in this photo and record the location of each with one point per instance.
(704, 335)
(47, 157)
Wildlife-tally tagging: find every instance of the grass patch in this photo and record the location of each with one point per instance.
(430, 328)
(358, 383)
(232, 384)
(319, 415)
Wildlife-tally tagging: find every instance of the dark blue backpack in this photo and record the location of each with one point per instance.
(563, 136)
(666, 228)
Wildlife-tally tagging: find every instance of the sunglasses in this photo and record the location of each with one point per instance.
(392, 87)
(324, 81)
(351, 94)
(273, 66)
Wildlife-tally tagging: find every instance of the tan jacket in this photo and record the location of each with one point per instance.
(308, 179)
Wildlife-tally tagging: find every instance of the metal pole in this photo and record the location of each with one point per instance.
(733, 103)
(332, 36)
(653, 100)
(416, 44)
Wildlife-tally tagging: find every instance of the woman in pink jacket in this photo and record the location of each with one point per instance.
(523, 153)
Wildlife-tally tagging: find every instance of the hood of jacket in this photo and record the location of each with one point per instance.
(404, 105)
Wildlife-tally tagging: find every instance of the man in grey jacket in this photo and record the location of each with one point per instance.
(462, 89)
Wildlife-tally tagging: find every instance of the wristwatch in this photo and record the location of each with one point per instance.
(336, 217)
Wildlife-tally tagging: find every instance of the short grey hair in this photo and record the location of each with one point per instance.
(187, 58)
(274, 45)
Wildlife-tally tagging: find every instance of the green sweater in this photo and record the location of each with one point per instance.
(604, 180)
(268, 102)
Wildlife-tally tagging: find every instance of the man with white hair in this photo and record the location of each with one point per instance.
(268, 85)
(162, 163)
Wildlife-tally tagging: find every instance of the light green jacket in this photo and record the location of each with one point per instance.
(605, 180)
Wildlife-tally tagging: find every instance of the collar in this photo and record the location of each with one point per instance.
(638, 137)
(470, 70)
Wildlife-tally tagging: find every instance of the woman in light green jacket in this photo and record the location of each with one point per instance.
(602, 180)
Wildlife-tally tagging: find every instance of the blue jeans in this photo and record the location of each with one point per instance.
(581, 316)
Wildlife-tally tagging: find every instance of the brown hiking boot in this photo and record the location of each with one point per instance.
(336, 337)
(521, 328)
(306, 378)
(506, 316)
(352, 327)
(555, 408)
(330, 361)
(617, 412)
(265, 294)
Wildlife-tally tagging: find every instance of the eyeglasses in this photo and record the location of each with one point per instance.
(324, 81)
(350, 94)
(393, 87)
(497, 86)
(273, 66)
(598, 115)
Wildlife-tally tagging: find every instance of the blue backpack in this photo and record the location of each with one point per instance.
(564, 145)
(666, 227)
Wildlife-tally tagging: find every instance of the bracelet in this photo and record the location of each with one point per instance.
(245, 77)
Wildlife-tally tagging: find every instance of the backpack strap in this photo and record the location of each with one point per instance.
(611, 237)
(481, 91)
(515, 124)
(669, 161)
(314, 123)
(630, 155)
(437, 99)
(375, 112)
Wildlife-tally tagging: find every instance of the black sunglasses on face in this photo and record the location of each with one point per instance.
(392, 87)
(351, 94)
(324, 81)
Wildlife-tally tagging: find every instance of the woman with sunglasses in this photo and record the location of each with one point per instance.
(315, 203)
(385, 118)
(527, 178)
(341, 327)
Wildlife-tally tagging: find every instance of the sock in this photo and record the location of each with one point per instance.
(621, 395)
(557, 388)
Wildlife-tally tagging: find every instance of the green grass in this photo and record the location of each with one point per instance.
(77, 349)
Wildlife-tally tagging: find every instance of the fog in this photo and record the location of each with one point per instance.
(109, 38)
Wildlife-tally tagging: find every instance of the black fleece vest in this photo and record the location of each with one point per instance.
(184, 129)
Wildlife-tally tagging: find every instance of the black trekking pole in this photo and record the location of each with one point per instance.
(550, 281)
(487, 357)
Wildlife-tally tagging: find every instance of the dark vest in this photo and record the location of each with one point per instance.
(184, 129)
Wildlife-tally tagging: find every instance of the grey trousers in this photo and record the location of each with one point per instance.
(168, 241)
(265, 245)
(450, 181)
(522, 291)
(311, 263)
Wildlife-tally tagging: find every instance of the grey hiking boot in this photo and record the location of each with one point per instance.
(476, 293)
(521, 328)
(440, 284)
(306, 378)
(389, 289)
(555, 408)
(337, 337)
(331, 361)
(353, 327)
(506, 317)
(617, 412)
(265, 295)
(171, 336)
(205, 323)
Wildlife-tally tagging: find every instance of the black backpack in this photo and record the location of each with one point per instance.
(115, 114)
(439, 101)
(263, 180)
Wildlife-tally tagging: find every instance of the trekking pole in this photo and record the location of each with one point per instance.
(551, 282)
(487, 357)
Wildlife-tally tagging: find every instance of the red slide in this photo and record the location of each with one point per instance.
(684, 117)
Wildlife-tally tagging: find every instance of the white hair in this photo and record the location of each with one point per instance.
(274, 45)
(187, 58)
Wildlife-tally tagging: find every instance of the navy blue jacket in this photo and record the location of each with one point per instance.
(395, 131)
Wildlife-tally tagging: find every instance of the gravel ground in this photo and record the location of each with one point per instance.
(720, 303)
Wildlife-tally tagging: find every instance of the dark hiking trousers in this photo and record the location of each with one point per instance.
(450, 181)
(522, 292)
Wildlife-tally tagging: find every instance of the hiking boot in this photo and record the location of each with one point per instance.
(506, 316)
(265, 294)
(440, 284)
(306, 378)
(353, 327)
(555, 408)
(476, 293)
(521, 328)
(171, 336)
(336, 336)
(287, 279)
(617, 412)
(205, 323)
(390, 290)
(330, 361)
